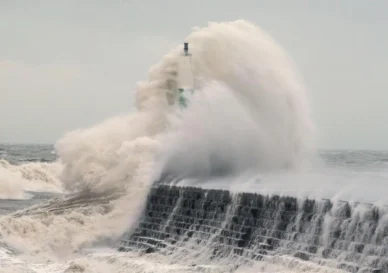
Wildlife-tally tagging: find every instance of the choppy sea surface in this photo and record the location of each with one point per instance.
(356, 163)
(106, 259)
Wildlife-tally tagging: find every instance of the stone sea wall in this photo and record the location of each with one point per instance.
(194, 223)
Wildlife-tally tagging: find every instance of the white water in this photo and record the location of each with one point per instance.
(316, 183)
(251, 111)
(16, 180)
(250, 114)
(103, 261)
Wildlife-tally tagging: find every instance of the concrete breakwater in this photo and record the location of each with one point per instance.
(197, 224)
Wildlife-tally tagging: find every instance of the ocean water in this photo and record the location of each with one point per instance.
(348, 163)
(65, 207)
(103, 257)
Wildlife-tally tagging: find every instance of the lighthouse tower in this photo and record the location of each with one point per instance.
(185, 77)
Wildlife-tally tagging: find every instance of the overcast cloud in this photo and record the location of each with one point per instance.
(70, 64)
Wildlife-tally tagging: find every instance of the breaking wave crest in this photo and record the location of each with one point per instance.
(249, 113)
(15, 180)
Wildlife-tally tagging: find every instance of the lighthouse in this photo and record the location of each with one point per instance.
(185, 79)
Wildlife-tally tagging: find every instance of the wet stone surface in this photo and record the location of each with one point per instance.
(252, 226)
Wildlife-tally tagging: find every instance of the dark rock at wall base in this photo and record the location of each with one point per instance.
(252, 226)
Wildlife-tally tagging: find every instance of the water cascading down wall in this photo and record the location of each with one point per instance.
(242, 228)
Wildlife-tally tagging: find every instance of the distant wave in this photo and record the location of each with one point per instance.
(15, 180)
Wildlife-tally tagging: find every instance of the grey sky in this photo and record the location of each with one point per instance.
(70, 64)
